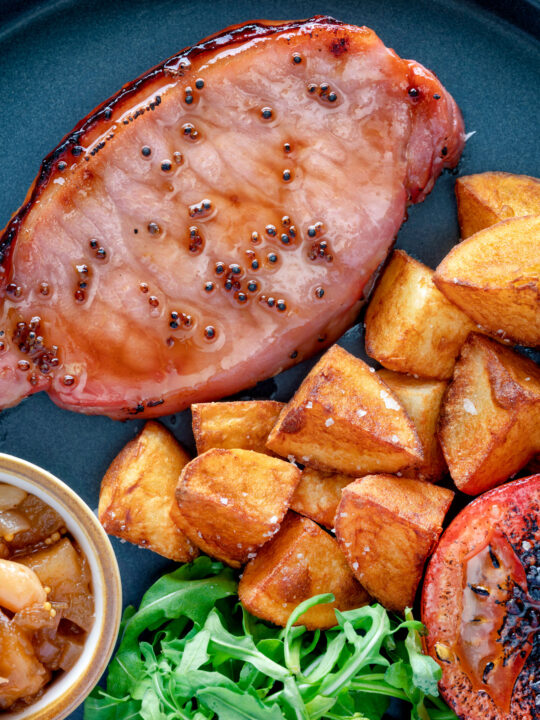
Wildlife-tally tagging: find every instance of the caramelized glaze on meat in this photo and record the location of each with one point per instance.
(218, 219)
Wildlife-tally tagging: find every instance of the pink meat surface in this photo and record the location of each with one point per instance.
(217, 220)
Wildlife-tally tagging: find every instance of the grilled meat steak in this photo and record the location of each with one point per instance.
(217, 220)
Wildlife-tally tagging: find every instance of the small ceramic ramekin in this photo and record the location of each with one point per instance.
(69, 690)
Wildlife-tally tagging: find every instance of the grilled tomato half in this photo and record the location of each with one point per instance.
(481, 605)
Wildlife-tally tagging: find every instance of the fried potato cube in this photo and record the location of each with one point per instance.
(246, 425)
(318, 494)
(301, 561)
(344, 418)
(137, 494)
(231, 425)
(387, 527)
(410, 326)
(488, 198)
(232, 501)
(494, 277)
(422, 400)
(489, 425)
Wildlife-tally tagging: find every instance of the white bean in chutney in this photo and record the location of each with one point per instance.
(46, 601)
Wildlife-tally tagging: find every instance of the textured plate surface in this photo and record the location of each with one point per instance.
(58, 60)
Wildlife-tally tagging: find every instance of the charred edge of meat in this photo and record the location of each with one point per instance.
(69, 145)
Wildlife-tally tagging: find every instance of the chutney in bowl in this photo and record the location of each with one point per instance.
(60, 595)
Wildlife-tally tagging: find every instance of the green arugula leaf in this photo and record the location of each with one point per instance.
(230, 705)
(172, 651)
(258, 629)
(125, 671)
(241, 648)
(251, 677)
(273, 648)
(324, 663)
(319, 707)
(187, 685)
(371, 705)
(186, 591)
(173, 630)
(101, 706)
(192, 652)
(425, 671)
(195, 652)
(367, 646)
(292, 700)
(291, 634)
(151, 707)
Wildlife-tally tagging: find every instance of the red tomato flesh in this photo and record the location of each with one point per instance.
(481, 605)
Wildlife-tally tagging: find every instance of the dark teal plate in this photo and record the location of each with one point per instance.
(60, 59)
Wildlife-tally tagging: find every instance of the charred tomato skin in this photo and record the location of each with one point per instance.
(501, 528)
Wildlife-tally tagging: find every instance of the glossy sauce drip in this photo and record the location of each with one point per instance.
(492, 647)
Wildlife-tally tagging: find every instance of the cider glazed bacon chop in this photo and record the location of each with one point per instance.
(217, 219)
